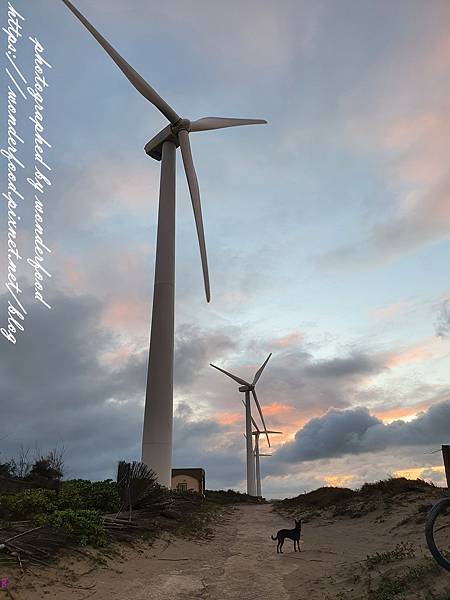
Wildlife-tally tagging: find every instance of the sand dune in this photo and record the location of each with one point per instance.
(240, 561)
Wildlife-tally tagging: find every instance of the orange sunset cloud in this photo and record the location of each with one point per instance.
(289, 340)
(420, 352)
(125, 314)
(400, 412)
(387, 312)
(417, 472)
(338, 480)
(228, 418)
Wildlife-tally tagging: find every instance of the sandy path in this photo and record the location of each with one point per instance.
(239, 563)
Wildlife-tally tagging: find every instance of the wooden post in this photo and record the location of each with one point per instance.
(446, 457)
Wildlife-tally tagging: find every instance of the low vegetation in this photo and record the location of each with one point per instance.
(84, 526)
(352, 503)
(86, 513)
(230, 497)
(401, 550)
(399, 585)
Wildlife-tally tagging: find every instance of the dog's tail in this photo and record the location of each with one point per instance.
(274, 538)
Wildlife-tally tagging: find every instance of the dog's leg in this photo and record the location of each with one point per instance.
(281, 546)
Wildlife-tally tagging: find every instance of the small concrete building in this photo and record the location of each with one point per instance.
(185, 480)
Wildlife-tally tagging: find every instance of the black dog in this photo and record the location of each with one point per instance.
(292, 534)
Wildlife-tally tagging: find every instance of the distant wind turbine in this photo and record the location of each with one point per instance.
(158, 417)
(257, 433)
(248, 388)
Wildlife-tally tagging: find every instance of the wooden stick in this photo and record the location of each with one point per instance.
(20, 534)
(446, 457)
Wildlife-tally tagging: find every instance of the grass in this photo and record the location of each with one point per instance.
(394, 587)
(352, 503)
(395, 485)
(401, 551)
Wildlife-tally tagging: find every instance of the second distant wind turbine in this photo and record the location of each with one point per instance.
(257, 433)
(158, 417)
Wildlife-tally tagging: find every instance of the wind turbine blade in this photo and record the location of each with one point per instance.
(260, 370)
(208, 123)
(136, 80)
(261, 415)
(268, 431)
(235, 377)
(191, 177)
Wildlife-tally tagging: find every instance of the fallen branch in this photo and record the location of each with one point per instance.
(2, 545)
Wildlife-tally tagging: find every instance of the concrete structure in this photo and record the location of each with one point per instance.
(158, 418)
(188, 480)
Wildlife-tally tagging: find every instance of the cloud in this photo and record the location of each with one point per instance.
(354, 366)
(196, 348)
(388, 312)
(417, 353)
(443, 320)
(205, 443)
(403, 134)
(422, 352)
(54, 387)
(292, 339)
(355, 431)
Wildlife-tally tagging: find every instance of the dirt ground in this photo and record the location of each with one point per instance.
(240, 562)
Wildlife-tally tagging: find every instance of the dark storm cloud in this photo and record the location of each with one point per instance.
(357, 364)
(297, 379)
(54, 387)
(196, 348)
(207, 444)
(355, 431)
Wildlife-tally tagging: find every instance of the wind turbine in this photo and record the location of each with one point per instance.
(248, 388)
(158, 416)
(257, 433)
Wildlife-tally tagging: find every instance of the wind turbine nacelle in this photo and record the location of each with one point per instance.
(154, 147)
(244, 388)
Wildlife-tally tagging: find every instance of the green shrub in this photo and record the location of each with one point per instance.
(84, 526)
(26, 504)
(104, 496)
(81, 494)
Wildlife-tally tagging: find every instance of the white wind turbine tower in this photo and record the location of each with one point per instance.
(257, 433)
(158, 417)
(257, 453)
(248, 388)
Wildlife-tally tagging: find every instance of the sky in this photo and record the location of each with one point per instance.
(327, 230)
